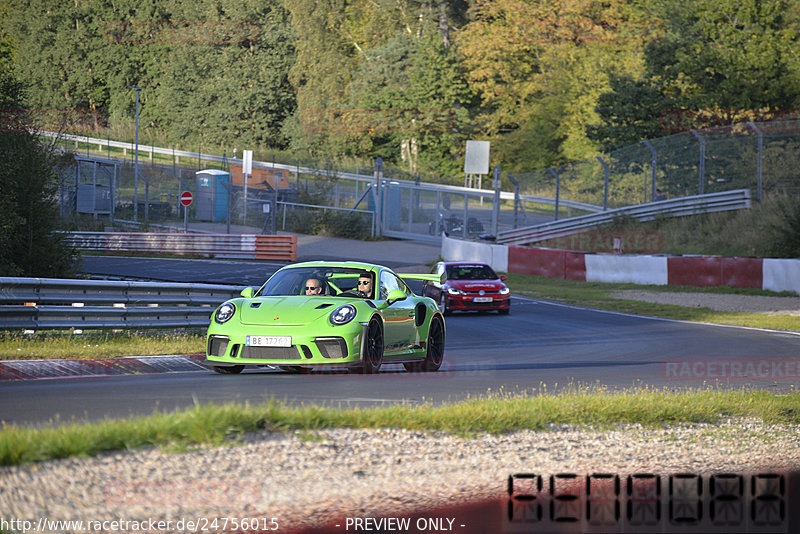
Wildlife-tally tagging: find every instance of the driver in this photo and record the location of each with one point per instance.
(313, 286)
(365, 284)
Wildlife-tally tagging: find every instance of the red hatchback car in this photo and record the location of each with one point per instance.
(469, 286)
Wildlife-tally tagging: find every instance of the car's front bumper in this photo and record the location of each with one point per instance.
(467, 303)
(333, 346)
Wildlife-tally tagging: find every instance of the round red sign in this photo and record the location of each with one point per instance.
(186, 198)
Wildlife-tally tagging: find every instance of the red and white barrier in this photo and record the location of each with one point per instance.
(699, 271)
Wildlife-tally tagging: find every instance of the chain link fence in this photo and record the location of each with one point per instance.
(761, 156)
(313, 197)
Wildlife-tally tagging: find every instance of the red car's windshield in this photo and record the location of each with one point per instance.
(470, 272)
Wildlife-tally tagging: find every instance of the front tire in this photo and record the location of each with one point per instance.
(373, 350)
(228, 370)
(435, 355)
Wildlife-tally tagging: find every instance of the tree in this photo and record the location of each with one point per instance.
(539, 68)
(716, 62)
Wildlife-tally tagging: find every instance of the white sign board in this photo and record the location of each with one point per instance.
(247, 162)
(477, 158)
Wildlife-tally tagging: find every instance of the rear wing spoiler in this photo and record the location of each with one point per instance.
(426, 277)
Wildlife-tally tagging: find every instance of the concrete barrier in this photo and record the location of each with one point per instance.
(781, 275)
(460, 250)
(698, 271)
(618, 268)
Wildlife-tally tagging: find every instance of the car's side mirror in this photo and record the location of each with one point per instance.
(248, 292)
(395, 295)
(503, 277)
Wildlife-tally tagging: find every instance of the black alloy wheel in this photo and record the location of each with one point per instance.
(435, 355)
(373, 349)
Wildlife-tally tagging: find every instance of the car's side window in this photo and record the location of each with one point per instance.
(390, 282)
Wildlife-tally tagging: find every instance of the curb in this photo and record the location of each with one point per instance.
(44, 369)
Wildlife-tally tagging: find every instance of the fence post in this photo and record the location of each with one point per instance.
(760, 155)
(701, 188)
(379, 196)
(558, 189)
(516, 198)
(653, 153)
(605, 183)
(496, 203)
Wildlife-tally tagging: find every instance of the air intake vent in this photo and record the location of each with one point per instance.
(323, 306)
(217, 345)
(331, 347)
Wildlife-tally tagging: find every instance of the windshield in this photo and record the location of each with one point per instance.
(334, 281)
(470, 272)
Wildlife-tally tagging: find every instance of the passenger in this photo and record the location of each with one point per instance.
(313, 286)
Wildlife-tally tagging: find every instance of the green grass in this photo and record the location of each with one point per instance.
(216, 425)
(101, 345)
(599, 295)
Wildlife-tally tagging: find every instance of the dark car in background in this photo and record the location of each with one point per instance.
(469, 286)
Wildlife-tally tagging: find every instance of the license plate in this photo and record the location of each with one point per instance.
(268, 341)
(482, 299)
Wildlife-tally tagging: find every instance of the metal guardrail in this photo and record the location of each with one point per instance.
(50, 303)
(728, 200)
(237, 246)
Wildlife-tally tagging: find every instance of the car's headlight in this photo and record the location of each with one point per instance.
(224, 312)
(343, 314)
(504, 291)
(454, 291)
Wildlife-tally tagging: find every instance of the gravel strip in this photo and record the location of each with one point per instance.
(717, 301)
(306, 479)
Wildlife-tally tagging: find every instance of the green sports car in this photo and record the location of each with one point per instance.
(333, 314)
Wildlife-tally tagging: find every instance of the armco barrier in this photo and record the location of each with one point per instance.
(48, 303)
(234, 246)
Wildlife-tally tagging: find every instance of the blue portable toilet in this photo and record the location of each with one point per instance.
(211, 202)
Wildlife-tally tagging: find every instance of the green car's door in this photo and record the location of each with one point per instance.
(399, 324)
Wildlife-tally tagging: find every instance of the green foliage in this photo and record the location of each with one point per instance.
(407, 80)
(29, 213)
(786, 230)
(716, 62)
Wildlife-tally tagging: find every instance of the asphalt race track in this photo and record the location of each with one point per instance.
(539, 344)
